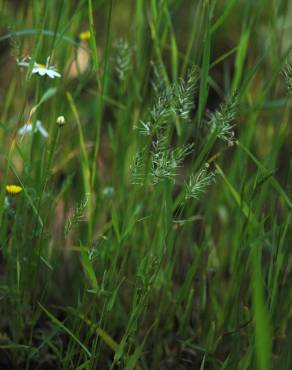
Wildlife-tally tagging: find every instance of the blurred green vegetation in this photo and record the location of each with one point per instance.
(177, 271)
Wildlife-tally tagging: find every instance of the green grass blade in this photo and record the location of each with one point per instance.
(63, 327)
(263, 332)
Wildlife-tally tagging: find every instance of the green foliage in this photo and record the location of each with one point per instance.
(287, 73)
(153, 225)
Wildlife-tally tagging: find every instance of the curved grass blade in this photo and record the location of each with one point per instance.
(63, 327)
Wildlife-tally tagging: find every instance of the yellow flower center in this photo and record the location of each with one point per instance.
(41, 65)
(84, 35)
(13, 189)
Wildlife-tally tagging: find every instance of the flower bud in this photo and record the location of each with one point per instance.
(61, 121)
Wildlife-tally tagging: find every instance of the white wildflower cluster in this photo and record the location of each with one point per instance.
(198, 183)
(42, 70)
(222, 121)
(122, 61)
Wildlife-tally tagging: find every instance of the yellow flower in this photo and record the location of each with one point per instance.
(84, 35)
(13, 189)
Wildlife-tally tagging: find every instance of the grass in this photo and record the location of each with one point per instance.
(153, 226)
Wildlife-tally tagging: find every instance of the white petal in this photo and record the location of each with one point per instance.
(25, 129)
(38, 124)
(23, 64)
(42, 71)
(43, 132)
(39, 127)
(57, 74)
(50, 73)
(35, 70)
(53, 73)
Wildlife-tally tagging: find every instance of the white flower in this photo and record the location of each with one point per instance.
(41, 69)
(28, 129)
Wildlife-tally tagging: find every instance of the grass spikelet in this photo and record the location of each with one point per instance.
(287, 73)
(222, 120)
(198, 183)
(77, 215)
